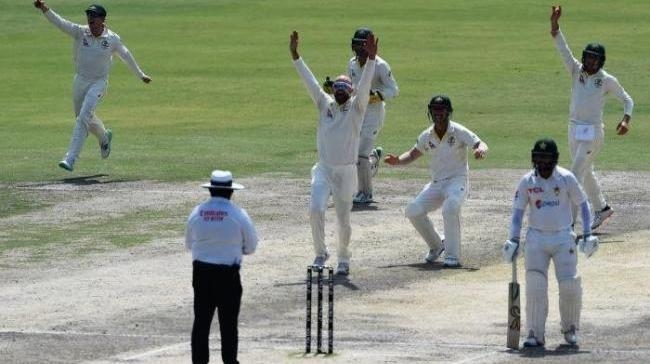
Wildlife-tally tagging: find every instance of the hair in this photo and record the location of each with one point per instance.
(221, 192)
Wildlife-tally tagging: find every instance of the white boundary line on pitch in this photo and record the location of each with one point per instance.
(80, 333)
(153, 352)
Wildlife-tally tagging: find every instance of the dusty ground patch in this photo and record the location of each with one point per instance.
(134, 305)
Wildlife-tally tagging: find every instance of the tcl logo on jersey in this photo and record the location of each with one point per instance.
(539, 203)
(536, 190)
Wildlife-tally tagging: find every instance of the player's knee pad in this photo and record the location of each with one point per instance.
(536, 302)
(414, 210)
(570, 302)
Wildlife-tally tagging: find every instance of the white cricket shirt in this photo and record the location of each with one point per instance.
(219, 232)
(93, 56)
(339, 126)
(449, 154)
(588, 91)
(382, 79)
(550, 200)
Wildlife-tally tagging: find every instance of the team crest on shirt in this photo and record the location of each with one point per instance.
(556, 190)
(85, 43)
(329, 113)
(451, 141)
(598, 82)
(431, 145)
(105, 44)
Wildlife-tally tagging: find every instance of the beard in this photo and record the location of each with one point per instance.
(341, 97)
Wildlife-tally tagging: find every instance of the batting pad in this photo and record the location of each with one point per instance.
(570, 303)
(364, 179)
(536, 303)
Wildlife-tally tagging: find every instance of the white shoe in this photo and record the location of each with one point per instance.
(320, 260)
(105, 146)
(533, 342)
(65, 165)
(601, 216)
(570, 336)
(433, 255)
(343, 269)
(451, 262)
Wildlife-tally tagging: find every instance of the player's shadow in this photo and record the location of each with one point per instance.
(435, 266)
(339, 280)
(560, 350)
(364, 207)
(89, 180)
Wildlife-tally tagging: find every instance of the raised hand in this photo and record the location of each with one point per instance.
(293, 45)
(371, 46)
(556, 12)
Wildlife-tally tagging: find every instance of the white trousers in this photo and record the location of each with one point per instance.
(450, 194)
(338, 181)
(583, 155)
(86, 95)
(540, 249)
(373, 121)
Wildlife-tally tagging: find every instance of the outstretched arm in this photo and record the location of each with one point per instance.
(405, 158)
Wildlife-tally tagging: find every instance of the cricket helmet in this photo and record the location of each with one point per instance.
(360, 36)
(594, 49)
(437, 101)
(96, 11)
(544, 149)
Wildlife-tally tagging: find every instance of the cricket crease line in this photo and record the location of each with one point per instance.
(78, 333)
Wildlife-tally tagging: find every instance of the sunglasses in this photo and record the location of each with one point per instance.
(341, 85)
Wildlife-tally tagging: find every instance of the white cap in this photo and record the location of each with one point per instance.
(222, 179)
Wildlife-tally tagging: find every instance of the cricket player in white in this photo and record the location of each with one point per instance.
(550, 191)
(447, 142)
(382, 88)
(590, 84)
(94, 45)
(339, 124)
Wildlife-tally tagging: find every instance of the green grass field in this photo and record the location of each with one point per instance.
(225, 94)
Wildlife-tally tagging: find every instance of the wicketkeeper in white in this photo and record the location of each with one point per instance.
(94, 45)
(589, 87)
(339, 124)
(383, 88)
(549, 191)
(447, 142)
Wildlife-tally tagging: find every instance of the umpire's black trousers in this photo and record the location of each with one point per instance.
(215, 287)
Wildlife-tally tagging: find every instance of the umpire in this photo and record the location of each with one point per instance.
(218, 233)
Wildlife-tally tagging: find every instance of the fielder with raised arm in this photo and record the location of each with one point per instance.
(447, 143)
(589, 87)
(94, 45)
(335, 173)
(383, 88)
(549, 191)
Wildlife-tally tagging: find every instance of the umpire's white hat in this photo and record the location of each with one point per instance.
(223, 180)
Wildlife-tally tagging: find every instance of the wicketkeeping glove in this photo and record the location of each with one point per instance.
(510, 250)
(588, 245)
(328, 85)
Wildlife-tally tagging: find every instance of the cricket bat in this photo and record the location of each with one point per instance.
(514, 310)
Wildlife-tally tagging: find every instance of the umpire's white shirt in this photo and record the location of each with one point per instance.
(339, 125)
(588, 91)
(219, 232)
(550, 200)
(92, 55)
(449, 154)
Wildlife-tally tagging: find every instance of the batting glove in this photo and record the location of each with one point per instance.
(588, 245)
(510, 250)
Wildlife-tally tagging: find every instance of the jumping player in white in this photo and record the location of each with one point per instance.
(383, 88)
(590, 84)
(550, 191)
(447, 142)
(94, 45)
(339, 125)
